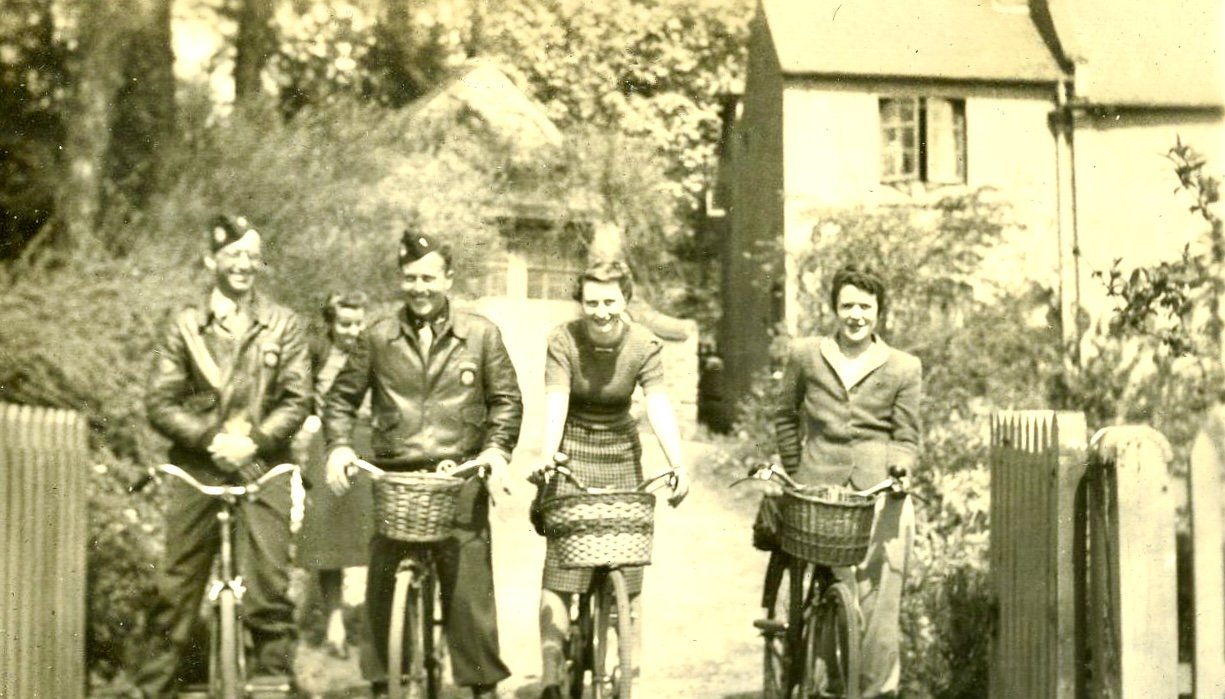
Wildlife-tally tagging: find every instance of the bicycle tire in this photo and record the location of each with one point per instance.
(434, 650)
(615, 682)
(835, 629)
(776, 600)
(406, 603)
(577, 652)
(229, 678)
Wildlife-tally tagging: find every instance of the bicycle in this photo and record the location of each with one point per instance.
(812, 617)
(416, 507)
(227, 668)
(604, 529)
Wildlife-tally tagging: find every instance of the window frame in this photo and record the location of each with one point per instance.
(893, 149)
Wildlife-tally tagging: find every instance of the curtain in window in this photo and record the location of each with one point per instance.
(945, 141)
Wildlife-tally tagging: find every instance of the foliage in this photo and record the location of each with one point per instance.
(124, 547)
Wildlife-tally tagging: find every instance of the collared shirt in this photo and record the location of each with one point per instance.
(852, 370)
(226, 311)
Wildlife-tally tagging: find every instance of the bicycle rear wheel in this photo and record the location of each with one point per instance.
(832, 638)
(406, 637)
(225, 662)
(435, 649)
(612, 667)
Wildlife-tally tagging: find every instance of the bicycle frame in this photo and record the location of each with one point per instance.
(225, 590)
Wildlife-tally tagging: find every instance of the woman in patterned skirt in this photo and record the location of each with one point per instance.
(335, 529)
(591, 370)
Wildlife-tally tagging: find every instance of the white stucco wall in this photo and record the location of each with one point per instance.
(832, 159)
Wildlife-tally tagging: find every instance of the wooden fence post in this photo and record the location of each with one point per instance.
(1037, 462)
(1207, 460)
(1133, 613)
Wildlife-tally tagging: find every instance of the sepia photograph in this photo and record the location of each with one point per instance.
(633, 349)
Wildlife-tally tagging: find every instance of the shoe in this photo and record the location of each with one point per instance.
(551, 692)
(275, 656)
(485, 691)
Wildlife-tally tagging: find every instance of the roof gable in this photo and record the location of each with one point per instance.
(952, 39)
(1143, 53)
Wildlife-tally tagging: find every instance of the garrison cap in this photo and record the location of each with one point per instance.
(226, 229)
(415, 244)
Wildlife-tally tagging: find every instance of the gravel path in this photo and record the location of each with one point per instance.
(699, 597)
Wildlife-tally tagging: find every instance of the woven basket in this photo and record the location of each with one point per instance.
(415, 505)
(591, 530)
(827, 525)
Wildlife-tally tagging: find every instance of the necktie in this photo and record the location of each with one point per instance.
(425, 338)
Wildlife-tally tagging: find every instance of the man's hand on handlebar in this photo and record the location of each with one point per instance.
(494, 464)
(339, 461)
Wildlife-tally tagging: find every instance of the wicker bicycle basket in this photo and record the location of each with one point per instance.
(827, 525)
(590, 530)
(415, 505)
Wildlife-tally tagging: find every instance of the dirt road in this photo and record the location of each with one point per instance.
(699, 596)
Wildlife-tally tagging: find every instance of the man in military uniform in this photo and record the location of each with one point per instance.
(230, 387)
(443, 387)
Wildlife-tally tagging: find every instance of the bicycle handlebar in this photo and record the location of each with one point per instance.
(563, 470)
(768, 470)
(236, 491)
(446, 467)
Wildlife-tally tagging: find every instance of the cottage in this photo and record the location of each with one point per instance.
(1065, 108)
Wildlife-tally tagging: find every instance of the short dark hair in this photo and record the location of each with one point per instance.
(860, 277)
(604, 272)
(356, 300)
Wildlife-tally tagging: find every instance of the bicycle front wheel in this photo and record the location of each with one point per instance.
(225, 663)
(406, 637)
(612, 667)
(832, 638)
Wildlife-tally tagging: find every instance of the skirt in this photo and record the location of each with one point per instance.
(336, 530)
(606, 456)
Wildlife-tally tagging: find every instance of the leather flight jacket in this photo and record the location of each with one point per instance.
(205, 381)
(462, 400)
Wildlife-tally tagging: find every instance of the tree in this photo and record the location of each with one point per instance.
(255, 44)
(96, 71)
(143, 120)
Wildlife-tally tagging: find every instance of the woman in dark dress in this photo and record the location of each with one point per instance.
(335, 529)
(592, 367)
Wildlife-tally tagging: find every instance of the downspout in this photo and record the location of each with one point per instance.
(1063, 124)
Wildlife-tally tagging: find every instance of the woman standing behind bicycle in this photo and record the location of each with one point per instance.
(336, 529)
(592, 367)
(855, 401)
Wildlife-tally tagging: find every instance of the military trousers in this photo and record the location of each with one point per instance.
(261, 549)
(464, 564)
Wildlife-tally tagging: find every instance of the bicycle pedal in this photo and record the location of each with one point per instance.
(770, 626)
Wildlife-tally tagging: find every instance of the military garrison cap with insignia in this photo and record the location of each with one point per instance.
(225, 230)
(415, 245)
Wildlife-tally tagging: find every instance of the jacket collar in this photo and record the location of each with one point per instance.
(448, 321)
(876, 356)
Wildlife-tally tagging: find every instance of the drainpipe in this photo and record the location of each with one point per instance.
(1063, 124)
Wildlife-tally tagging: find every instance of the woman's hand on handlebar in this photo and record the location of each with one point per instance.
(679, 482)
(339, 461)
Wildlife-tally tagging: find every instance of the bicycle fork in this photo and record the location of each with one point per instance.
(227, 580)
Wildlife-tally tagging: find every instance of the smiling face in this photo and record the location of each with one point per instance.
(603, 306)
(425, 283)
(347, 325)
(236, 265)
(858, 312)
